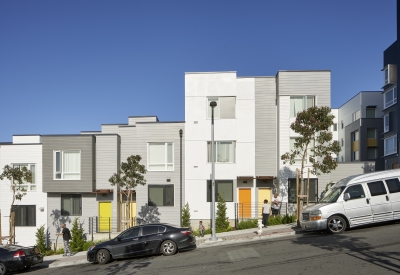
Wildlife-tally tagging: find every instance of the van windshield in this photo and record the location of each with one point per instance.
(332, 194)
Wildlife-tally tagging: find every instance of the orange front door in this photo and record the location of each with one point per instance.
(244, 203)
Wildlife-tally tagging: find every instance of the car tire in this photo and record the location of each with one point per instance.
(336, 225)
(3, 269)
(168, 248)
(103, 256)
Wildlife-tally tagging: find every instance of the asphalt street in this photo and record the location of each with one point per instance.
(366, 250)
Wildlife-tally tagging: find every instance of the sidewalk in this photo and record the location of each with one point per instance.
(225, 238)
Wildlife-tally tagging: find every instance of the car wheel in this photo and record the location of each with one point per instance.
(3, 270)
(336, 225)
(168, 248)
(103, 256)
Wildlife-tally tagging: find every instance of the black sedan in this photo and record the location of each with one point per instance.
(143, 240)
(15, 257)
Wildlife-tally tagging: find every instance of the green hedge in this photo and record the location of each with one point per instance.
(247, 224)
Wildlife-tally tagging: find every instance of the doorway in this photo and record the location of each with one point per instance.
(244, 203)
(105, 221)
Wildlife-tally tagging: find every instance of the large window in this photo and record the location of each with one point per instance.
(390, 97)
(224, 151)
(390, 145)
(28, 186)
(370, 112)
(300, 103)
(313, 190)
(386, 121)
(25, 215)
(71, 205)
(67, 165)
(355, 192)
(371, 132)
(222, 187)
(376, 188)
(161, 195)
(393, 185)
(371, 153)
(226, 107)
(160, 156)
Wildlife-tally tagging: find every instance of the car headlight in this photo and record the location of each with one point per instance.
(315, 215)
(91, 248)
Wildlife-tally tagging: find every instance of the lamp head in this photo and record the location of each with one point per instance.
(213, 104)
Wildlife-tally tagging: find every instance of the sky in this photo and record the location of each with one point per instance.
(70, 66)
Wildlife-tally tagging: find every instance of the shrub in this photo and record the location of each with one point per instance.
(289, 218)
(186, 216)
(41, 239)
(221, 221)
(275, 220)
(247, 224)
(86, 245)
(78, 241)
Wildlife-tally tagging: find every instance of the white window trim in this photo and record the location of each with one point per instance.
(166, 157)
(386, 128)
(62, 155)
(394, 151)
(28, 186)
(394, 101)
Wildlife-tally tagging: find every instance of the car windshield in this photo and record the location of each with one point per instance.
(332, 194)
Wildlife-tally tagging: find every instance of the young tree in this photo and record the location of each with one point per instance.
(128, 177)
(77, 241)
(221, 221)
(41, 239)
(186, 216)
(313, 143)
(17, 177)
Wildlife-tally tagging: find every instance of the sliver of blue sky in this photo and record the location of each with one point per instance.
(70, 66)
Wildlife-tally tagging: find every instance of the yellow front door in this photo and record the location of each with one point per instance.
(244, 203)
(263, 194)
(105, 221)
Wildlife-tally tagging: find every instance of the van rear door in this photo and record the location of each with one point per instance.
(394, 191)
(380, 202)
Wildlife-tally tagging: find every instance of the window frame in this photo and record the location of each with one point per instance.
(164, 187)
(387, 104)
(61, 172)
(166, 163)
(72, 198)
(209, 160)
(374, 194)
(217, 182)
(305, 105)
(27, 217)
(351, 186)
(391, 190)
(28, 186)
(394, 150)
(386, 75)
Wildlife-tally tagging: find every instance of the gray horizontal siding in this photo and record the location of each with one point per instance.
(84, 143)
(266, 127)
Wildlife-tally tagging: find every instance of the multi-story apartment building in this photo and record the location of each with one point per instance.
(360, 129)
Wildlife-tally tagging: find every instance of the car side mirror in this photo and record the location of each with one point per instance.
(119, 239)
(346, 196)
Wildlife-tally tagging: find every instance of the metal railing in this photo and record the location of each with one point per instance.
(246, 211)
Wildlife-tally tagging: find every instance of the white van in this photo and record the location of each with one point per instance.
(355, 201)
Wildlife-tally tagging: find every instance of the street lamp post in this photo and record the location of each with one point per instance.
(180, 167)
(213, 104)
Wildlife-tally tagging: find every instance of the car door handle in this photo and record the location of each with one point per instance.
(159, 235)
(387, 197)
(368, 201)
(135, 239)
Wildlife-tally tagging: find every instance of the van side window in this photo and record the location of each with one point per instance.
(393, 185)
(355, 192)
(376, 188)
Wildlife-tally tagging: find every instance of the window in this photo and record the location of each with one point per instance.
(222, 187)
(386, 127)
(150, 229)
(386, 75)
(67, 165)
(130, 233)
(28, 186)
(299, 157)
(355, 155)
(393, 185)
(300, 103)
(390, 145)
(341, 124)
(224, 151)
(371, 153)
(376, 188)
(312, 194)
(161, 195)
(342, 159)
(371, 133)
(25, 215)
(341, 142)
(390, 97)
(356, 115)
(334, 127)
(160, 156)
(71, 205)
(226, 107)
(370, 112)
(355, 192)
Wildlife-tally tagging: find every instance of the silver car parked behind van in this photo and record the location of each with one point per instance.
(355, 201)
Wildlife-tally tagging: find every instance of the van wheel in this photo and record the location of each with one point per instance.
(336, 225)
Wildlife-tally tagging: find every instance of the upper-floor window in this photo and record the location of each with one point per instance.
(386, 127)
(298, 158)
(390, 145)
(226, 107)
(341, 124)
(371, 132)
(300, 103)
(370, 112)
(356, 115)
(390, 74)
(334, 127)
(28, 186)
(390, 97)
(67, 165)
(386, 75)
(224, 151)
(160, 156)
